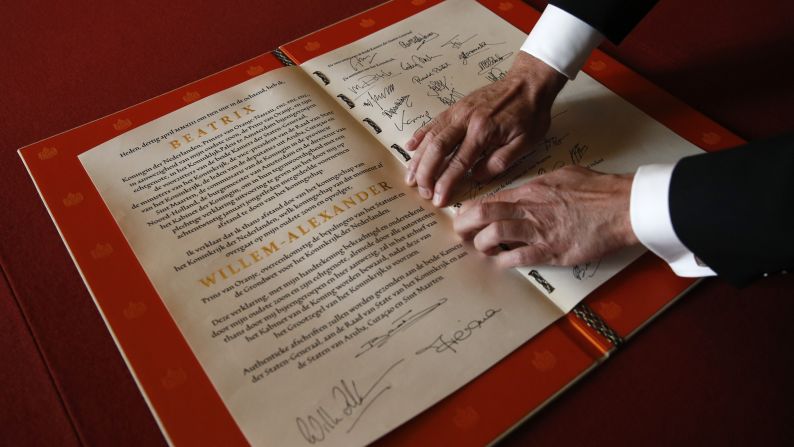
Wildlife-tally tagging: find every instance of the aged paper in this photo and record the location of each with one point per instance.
(327, 303)
(397, 79)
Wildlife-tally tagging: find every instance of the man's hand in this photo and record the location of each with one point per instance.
(570, 216)
(492, 127)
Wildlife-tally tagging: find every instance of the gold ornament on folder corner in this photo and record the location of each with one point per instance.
(312, 45)
(101, 251)
(254, 70)
(47, 152)
(122, 124)
(173, 378)
(466, 417)
(505, 6)
(544, 360)
(72, 199)
(366, 23)
(134, 310)
(191, 96)
(598, 65)
(610, 310)
(710, 138)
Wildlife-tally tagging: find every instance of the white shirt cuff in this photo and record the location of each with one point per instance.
(562, 41)
(650, 219)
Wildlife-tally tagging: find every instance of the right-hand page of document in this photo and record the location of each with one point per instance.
(397, 79)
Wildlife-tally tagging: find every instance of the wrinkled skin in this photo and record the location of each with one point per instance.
(567, 217)
(493, 127)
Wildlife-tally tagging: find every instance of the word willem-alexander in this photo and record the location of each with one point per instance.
(255, 256)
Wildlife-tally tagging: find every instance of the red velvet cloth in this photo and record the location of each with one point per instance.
(716, 367)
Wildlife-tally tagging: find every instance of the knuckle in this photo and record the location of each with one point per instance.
(522, 257)
(481, 241)
(461, 111)
(434, 145)
(480, 212)
(504, 230)
(458, 163)
(499, 163)
(479, 121)
(423, 176)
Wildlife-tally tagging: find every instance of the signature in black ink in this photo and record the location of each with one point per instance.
(559, 164)
(492, 61)
(420, 39)
(437, 86)
(443, 343)
(358, 63)
(400, 324)
(552, 141)
(417, 61)
(351, 404)
(466, 54)
(577, 153)
(377, 97)
(420, 79)
(422, 119)
(584, 271)
(402, 100)
(495, 74)
(456, 43)
(471, 187)
(369, 79)
(450, 98)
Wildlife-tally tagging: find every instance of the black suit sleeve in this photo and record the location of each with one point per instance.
(613, 18)
(734, 209)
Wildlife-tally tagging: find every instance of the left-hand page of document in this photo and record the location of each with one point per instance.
(326, 302)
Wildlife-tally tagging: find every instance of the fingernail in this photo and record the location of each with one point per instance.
(437, 199)
(410, 144)
(425, 193)
(409, 177)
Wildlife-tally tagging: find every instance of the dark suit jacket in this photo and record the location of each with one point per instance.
(734, 209)
(613, 18)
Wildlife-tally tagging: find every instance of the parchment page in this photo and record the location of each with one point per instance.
(326, 303)
(395, 80)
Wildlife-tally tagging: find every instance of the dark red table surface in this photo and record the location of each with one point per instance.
(715, 368)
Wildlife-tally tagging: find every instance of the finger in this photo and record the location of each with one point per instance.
(435, 149)
(499, 160)
(530, 193)
(474, 144)
(416, 139)
(531, 254)
(481, 214)
(410, 174)
(502, 232)
(414, 145)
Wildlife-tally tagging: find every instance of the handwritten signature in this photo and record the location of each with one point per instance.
(352, 405)
(451, 98)
(422, 119)
(448, 343)
(482, 45)
(584, 271)
(495, 74)
(377, 97)
(400, 324)
(492, 61)
(436, 70)
(417, 61)
(369, 80)
(420, 39)
(456, 43)
(577, 153)
(358, 63)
